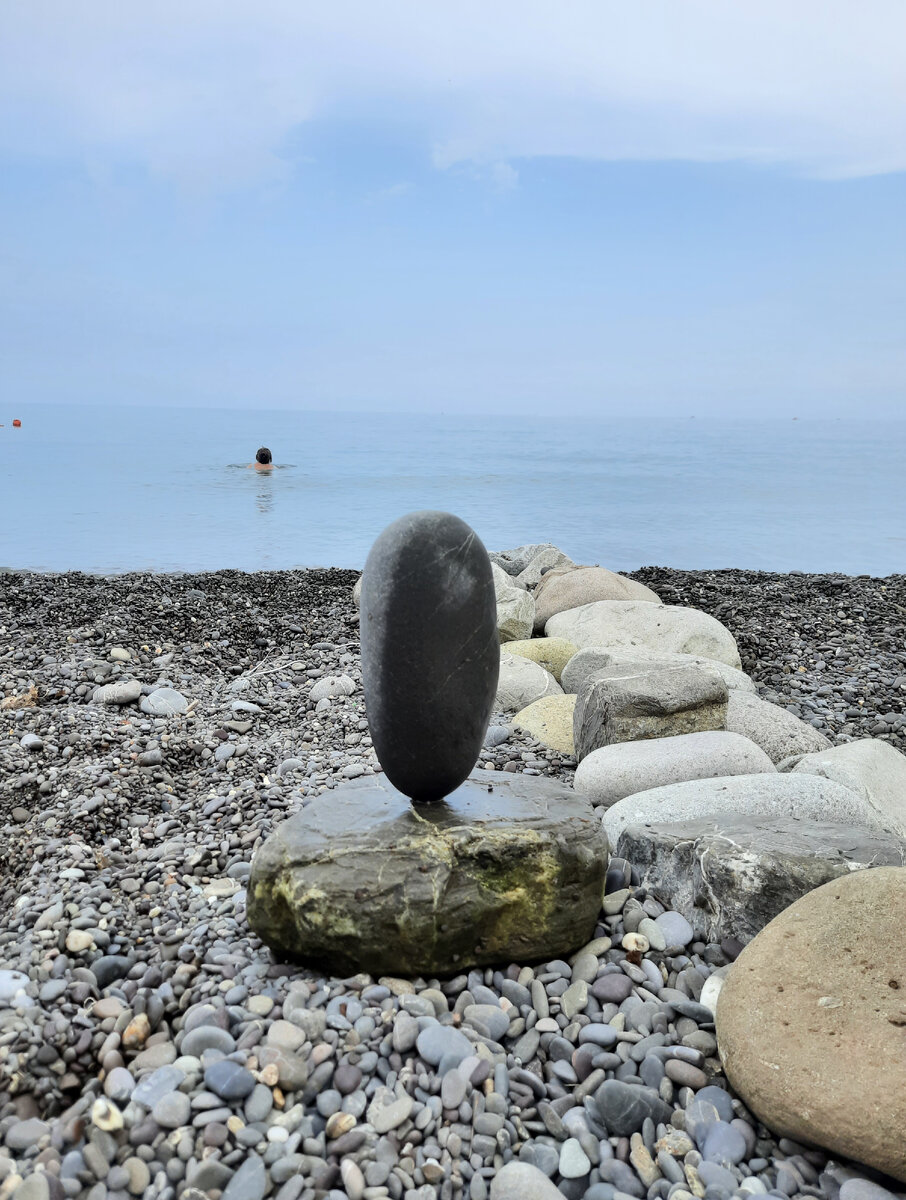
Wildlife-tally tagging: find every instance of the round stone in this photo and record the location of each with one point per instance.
(675, 928)
(430, 651)
(229, 1080)
(811, 1019)
(172, 1110)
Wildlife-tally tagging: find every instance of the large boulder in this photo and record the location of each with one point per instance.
(515, 561)
(430, 654)
(668, 627)
(507, 868)
(766, 796)
(521, 682)
(811, 1020)
(623, 660)
(777, 732)
(515, 608)
(559, 591)
(548, 559)
(870, 767)
(730, 875)
(550, 720)
(551, 653)
(608, 775)
(649, 704)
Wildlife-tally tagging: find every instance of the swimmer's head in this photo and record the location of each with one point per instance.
(263, 455)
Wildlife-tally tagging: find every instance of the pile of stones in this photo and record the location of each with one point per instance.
(151, 1044)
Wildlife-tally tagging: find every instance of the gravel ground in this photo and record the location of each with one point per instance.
(149, 1045)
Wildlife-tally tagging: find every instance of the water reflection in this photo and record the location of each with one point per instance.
(264, 491)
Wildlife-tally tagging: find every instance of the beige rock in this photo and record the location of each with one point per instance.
(811, 1020)
(551, 653)
(560, 590)
(550, 720)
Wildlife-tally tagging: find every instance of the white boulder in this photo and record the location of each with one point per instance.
(521, 682)
(515, 607)
(767, 795)
(870, 767)
(622, 660)
(559, 591)
(776, 731)
(628, 623)
(608, 775)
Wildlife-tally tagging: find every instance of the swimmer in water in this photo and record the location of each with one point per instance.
(262, 461)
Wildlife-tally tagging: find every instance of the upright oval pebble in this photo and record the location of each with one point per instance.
(430, 651)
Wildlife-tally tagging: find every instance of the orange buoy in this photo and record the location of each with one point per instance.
(17, 424)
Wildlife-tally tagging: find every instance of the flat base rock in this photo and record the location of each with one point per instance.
(730, 876)
(811, 1020)
(504, 869)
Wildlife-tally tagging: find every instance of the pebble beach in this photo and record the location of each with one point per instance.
(154, 731)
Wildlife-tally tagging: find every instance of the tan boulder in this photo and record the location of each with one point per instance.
(550, 720)
(551, 653)
(811, 1021)
(560, 590)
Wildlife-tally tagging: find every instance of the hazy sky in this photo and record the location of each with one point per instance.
(687, 206)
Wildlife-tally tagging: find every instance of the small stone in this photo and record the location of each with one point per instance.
(78, 941)
(172, 1111)
(574, 1162)
(388, 1111)
(229, 1080)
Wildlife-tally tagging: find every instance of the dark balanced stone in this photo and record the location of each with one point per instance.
(505, 869)
(430, 651)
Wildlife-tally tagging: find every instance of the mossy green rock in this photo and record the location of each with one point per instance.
(505, 869)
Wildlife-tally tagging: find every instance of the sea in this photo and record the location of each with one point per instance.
(118, 489)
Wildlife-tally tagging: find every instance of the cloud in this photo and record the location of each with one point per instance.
(212, 93)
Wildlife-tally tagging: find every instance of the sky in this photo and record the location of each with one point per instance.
(674, 207)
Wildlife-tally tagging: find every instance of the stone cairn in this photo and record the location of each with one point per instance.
(432, 867)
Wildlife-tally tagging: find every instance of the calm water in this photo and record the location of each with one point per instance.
(112, 490)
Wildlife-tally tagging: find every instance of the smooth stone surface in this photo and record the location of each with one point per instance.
(544, 563)
(802, 1056)
(521, 682)
(514, 562)
(430, 651)
(551, 653)
(584, 585)
(648, 704)
(764, 796)
(868, 766)
(729, 876)
(506, 869)
(514, 608)
(776, 731)
(611, 773)
(437, 1043)
(522, 1181)
(164, 702)
(624, 623)
(124, 692)
(625, 1107)
(550, 720)
(625, 660)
